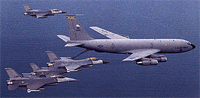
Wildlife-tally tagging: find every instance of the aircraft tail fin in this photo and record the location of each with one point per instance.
(12, 73)
(34, 67)
(27, 8)
(12, 87)
(76, 31)
(52, 56)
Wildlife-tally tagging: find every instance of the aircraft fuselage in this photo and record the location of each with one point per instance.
(126, 45)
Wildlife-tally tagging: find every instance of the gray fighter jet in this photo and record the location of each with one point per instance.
(40, 14)
(47, 71)
(32, 83)
(72, 65)
(142, 50)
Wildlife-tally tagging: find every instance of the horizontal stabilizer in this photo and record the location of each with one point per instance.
(64, 38)
(12, 87)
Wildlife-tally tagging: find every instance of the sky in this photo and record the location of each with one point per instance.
(24, 40)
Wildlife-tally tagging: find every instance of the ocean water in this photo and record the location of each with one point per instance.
(24, 40)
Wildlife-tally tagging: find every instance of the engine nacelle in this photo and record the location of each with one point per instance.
(147, 62)
(159, 58)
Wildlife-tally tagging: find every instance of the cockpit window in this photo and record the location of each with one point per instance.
(92, 59)
(55, 10)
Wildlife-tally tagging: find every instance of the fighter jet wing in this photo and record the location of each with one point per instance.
(41, 15)
(72, 67)
(109, 34)
(140, 53)
(35, 86)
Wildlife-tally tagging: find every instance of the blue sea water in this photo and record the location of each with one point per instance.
(24, 40)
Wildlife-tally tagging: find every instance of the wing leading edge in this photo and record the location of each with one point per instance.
(140, 53)
(109, 34)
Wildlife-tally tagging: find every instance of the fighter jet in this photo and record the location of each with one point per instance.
(47, 71)
(70, 64)
(32, 83)
(40, 14)
(142, 50)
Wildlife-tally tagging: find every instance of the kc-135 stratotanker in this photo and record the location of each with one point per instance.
(142, 50)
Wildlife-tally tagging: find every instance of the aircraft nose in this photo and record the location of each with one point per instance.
(193, 46)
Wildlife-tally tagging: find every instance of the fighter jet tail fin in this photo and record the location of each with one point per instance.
(34, 67)
(52, 56)
(27, 8)
(12, 73)
(12, 87)
(76, 31)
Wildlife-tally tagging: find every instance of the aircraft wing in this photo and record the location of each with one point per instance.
(41, 15)
(109, 34)
(140, 53)
(72, 67)
(35, 86)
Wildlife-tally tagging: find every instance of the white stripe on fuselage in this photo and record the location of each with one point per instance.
(124, 45)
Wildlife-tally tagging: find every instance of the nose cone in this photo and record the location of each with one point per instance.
(193, 46)
(64, 12)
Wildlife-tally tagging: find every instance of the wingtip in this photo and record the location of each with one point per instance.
(7, 68)
(59, 35)
(48, 51)
(32, 63)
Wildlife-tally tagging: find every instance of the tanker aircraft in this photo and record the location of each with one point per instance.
(40, 14)
(142, 50)
(32, 83)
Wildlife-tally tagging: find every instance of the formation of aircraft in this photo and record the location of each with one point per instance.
(40, 14)
(62, 65)
(142, 50)
(48, 76)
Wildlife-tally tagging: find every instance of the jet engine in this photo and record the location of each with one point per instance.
(147, 61)
(159, 58)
